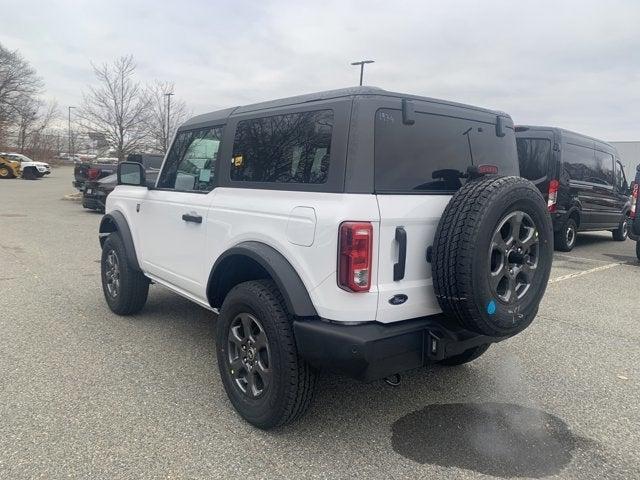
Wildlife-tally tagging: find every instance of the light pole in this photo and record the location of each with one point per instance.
(361, 63)
(70, 153)
(166, 139)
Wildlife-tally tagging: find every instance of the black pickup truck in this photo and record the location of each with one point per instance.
(92, 171)
(95, 192)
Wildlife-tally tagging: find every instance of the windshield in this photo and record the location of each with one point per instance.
(433, 154)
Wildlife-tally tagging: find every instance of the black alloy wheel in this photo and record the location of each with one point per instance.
(112, 274)
(513, 257)
(248, 355)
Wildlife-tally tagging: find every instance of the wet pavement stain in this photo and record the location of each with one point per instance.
(12, 215)
(500, 439)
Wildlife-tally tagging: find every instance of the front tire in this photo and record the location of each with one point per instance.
(5, 172)
(265, 378)
(565, 238)
(29, 173)
(124, 288)
(621, 233)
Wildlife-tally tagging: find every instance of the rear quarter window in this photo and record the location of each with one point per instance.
(433, 154)
(289, 148)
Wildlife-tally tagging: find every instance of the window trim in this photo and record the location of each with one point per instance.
(216, 166)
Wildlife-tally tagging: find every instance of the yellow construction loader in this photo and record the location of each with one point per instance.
(9, 168)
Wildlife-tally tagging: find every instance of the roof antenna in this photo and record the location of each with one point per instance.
(469, 141)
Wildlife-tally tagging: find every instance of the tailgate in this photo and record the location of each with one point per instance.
(417, 216)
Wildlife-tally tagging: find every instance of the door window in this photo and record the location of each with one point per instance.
(604, 168)
(290, 148)
(191, 162)
(621, 180)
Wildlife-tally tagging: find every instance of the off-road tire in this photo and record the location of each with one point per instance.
(466, 356)
(621, 233)
(5, 172)
(565, 237)
(462, 255)
(134, 286)
(292, 383)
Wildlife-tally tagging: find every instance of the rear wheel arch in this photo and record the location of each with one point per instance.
(115, 222)
(253, 261)
(575, 214)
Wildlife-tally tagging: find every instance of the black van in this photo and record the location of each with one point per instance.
(581, 178)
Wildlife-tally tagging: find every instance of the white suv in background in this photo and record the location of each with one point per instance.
(356, 230)
(30, 168)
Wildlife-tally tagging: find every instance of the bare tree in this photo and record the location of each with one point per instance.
(18, 83)
(163, 122)
(117, 108)
(32, 119)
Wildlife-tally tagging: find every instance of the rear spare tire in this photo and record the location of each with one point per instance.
(492, 255)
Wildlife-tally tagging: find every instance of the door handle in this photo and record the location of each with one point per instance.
(398, 268)
(190, 217)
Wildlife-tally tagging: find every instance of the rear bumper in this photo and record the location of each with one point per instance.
(371, 351)
(93, 202)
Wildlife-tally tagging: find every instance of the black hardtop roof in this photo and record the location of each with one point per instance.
(562, 132)
(219, 115)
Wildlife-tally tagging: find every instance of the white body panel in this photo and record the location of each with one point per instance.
(302, 226)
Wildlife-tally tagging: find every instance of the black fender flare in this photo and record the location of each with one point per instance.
(115, 222)
(289, 283)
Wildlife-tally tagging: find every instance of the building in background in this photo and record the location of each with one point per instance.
(630, 156)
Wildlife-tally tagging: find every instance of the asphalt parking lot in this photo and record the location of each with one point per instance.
(87, 394)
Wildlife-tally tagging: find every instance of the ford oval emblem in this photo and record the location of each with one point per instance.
(398, 299)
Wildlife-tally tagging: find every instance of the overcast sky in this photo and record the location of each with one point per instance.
(575, 66)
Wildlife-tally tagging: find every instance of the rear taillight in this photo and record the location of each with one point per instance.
(93, 173)
(354, 256)
(552, 202)
(634, 201)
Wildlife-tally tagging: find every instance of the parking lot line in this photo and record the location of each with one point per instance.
(585, 272)
(576, 257)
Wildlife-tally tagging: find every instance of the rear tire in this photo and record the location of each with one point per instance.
(124, 288)
(565, 237)
(466, 356)
(265, 378)
(638, 250)
(492, 255)
(621, 233)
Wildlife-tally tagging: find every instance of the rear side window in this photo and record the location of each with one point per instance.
(433, 154)
(289, 148)
(533, 157)
(588, 165)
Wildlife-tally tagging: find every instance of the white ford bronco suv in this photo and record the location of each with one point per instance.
(355, 230)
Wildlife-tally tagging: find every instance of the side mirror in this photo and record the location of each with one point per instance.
(131, 173)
